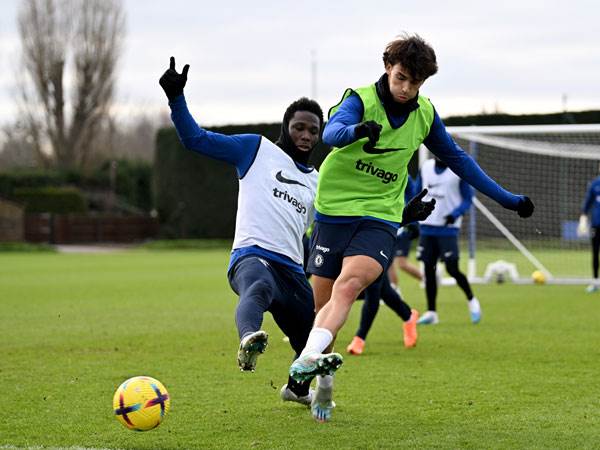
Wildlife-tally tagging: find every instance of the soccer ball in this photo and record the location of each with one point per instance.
(538, 277)
(141, 403)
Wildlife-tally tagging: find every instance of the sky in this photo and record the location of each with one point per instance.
(249, 60)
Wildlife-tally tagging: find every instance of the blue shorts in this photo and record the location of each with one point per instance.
(432, 248)
(332, 242)
(402, 245)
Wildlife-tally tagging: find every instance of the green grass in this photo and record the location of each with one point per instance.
(73, 327)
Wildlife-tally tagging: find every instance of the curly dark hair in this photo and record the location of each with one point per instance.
(414, 54)
(303, 104)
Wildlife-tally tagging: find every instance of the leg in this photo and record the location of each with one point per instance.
(449, 248)
(367, 316)
(293, 311)
(253, 281)
(391, 273)
(406, 266)
(400, 307)
(461, 279)
(393, 300)
(431, 285)
(322, 288)
(357, 273)
(428, 252)
(595, 262)
(595, 251)
(369, 309)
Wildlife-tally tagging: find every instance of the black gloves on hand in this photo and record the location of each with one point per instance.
(450, 219)
(173, 82)
(417, 209)
(525, 207)
(369, 129)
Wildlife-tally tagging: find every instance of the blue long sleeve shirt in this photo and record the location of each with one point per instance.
(239, 150)
(340, 131)
(591, 203)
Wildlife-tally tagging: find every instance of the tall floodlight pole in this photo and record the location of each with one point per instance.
(313, 74)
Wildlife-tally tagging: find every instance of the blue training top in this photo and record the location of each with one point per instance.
(339, 132)
(238, 150)
(591, 204)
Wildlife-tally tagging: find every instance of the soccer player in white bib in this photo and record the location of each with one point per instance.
(439, 234)
(275, 207)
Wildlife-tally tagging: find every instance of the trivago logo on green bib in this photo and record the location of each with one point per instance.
(370, 169)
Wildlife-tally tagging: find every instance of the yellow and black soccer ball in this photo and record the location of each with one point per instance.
(538, 277)
(141, 403)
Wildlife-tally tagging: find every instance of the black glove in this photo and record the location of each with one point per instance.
(369, 129)
(417, 209)
(173, 82)
(525, 207)
(412, 231)
(450, 219)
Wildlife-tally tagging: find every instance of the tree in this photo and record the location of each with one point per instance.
(85, 37)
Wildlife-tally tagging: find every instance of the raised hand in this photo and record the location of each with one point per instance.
(173, 82)
(416, 209)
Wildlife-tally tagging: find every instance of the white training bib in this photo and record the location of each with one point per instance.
(275, 203)
(445, 188)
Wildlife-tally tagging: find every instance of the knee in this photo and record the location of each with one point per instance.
(259, 288)
(349, 288)
(452, 269)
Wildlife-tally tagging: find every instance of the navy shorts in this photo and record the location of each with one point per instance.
(432, 248)
(402, 245)
(332, 242)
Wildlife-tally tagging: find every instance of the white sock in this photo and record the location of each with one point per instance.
(474, 305)
(325, 381)
(318, 340)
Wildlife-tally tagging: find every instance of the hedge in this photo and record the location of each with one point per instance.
(57, 200)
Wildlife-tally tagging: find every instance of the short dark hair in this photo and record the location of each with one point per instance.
(303, 104)
(414, 54)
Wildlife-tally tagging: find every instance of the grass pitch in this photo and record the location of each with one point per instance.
(73, 327)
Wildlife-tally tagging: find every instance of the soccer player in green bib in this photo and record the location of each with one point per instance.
(374, 132)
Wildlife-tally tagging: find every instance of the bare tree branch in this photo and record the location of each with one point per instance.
(91, 33)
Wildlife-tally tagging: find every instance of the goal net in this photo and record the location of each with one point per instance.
(553, 165)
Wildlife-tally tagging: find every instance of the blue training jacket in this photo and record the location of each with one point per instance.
(591, 204)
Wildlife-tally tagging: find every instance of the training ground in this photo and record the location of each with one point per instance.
(74, 326)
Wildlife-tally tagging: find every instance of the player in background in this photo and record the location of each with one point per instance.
(275, 207)
(591, 206)
(439, 234)
(375, 131)
(404, 238)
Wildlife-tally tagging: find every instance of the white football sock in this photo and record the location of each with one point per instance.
(325, 381)
(318, 340)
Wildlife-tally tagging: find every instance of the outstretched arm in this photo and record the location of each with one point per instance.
(238, 150)
(441, 144)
